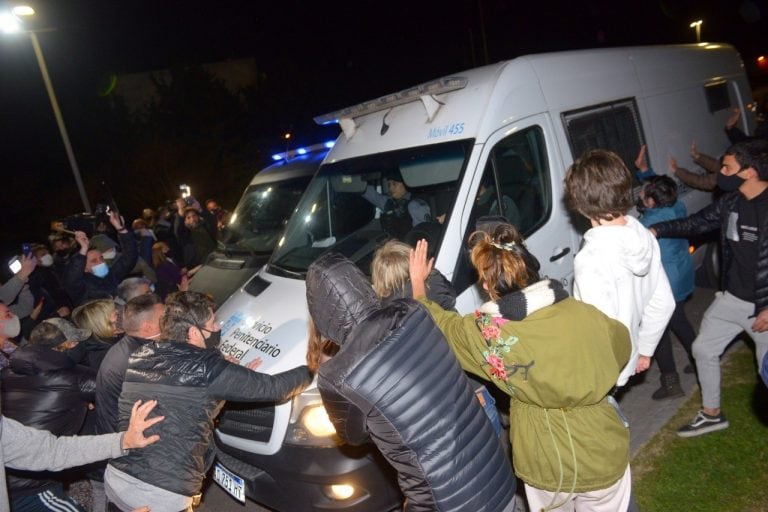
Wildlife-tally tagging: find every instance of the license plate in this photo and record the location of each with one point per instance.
(229, 481)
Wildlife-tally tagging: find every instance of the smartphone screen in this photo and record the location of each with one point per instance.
(26, 249)
(14, 265)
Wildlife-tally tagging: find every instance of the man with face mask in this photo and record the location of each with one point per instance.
(191, 379)
(742, 216)
(87, 276)
(46, 287)
(10, 327)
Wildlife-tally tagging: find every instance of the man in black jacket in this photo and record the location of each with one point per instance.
(742, 216)
(191, 380)
(141, 321)
(88, 277)
(43, 388)
(396, 382)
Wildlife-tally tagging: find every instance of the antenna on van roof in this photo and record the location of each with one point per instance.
(424, 92)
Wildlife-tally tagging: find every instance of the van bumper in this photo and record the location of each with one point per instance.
(295, 479)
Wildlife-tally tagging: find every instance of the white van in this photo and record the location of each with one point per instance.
(258, 221)
(500, 134)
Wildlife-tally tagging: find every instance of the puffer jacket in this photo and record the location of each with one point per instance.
(395, 381)
(45, 389)
(716, 216)
(190, 385)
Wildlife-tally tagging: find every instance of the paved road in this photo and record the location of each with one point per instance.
(646, 416)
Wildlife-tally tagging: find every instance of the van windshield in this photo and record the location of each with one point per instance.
(351, 206)
(261, 215)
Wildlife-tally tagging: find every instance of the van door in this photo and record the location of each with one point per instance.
(521, 178)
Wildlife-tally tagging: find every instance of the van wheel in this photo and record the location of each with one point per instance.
(712, 264)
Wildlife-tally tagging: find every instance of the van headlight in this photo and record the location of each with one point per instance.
(309, 424)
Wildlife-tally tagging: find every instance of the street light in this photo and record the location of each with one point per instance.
(697, 25)
(10, 23)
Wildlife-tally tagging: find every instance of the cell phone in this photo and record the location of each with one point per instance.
(26, 249)
(186, 191)
(14, 265)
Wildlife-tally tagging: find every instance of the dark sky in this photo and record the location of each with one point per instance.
(338, 53)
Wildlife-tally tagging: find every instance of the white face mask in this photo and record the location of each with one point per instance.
(46, 260)
(110, 254)
(12, 327)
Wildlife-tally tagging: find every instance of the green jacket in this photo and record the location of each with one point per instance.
(559, 363)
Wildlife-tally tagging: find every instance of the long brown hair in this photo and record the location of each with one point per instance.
(318, 346)
(502, 260)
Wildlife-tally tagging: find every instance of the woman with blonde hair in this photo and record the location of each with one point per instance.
(100, 317)
(390, 279)
(558, 359)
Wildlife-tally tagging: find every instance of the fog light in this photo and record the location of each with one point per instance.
(339, 491)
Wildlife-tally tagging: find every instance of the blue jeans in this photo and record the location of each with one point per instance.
(489, 406)
(52, 499)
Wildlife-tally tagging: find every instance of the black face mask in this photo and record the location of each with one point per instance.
(213, 339)
(729, 183)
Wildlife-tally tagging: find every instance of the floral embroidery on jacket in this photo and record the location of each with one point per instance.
(490, 329)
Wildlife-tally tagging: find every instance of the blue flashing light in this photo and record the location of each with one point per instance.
(330, 144)
(301, 151)
(277, 157)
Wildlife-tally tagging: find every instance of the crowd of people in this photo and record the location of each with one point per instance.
(100, 340)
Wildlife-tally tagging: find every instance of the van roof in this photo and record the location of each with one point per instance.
(521, 87)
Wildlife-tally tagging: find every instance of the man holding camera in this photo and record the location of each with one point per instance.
(88, 277)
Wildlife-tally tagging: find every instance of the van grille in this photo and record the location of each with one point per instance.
(247, 421)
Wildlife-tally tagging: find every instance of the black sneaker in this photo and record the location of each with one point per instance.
(704, 424)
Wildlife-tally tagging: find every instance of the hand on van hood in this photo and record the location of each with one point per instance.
(629, 246)
(339, 296)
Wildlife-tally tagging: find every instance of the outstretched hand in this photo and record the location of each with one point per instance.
(641, 162)
(419, 268)
(134, 436)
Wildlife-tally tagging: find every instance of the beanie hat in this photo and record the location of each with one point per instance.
(101, 243)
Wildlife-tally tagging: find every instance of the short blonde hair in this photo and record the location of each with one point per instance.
(389, 269)
(96, 316)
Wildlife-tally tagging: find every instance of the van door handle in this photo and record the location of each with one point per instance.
(559, 255)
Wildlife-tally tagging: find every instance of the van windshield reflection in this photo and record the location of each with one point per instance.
(353, 206)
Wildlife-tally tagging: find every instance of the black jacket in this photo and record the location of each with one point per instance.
(190, 385)
(83, 286)
(716, 216)
(45, 389)
(109, 382)
(396, 381)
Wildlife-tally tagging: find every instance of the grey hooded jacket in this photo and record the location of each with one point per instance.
(396, 382)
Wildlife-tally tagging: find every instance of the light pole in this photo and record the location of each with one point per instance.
(11, 23)
(697, 25)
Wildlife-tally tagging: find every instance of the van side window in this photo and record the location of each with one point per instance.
(615, 126)
(717, 96)
(516, 185)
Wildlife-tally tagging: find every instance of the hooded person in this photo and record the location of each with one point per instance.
(394, 381)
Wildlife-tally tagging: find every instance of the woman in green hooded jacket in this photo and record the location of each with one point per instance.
(558, 359)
